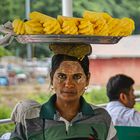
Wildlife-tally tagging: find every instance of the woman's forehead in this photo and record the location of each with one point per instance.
(70, 66)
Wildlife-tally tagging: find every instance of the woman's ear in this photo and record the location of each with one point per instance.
(88, 79)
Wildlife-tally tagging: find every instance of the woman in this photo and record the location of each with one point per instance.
(67, 115)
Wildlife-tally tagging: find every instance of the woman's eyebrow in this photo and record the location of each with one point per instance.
(60, 73)
(73, 74)
(77, 74)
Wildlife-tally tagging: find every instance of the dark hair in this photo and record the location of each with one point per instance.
(57, 59)
(117, 84)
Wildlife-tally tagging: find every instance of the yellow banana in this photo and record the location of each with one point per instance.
(38, 29)
(15, 24)
(61, 19)
(92, 23)
(39, 16)
(28, 30)
(33, 23)
(69, 27)
(33, 27)
(50, 22)
(22, 31)
(85, 27)
(85, 31)
(127, 26)
(58, 31)
(18, 26)
(54, 29)
(51, 26)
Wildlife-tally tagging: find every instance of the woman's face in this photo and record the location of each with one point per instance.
(69, 81)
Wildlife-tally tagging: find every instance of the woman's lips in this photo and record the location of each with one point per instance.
(68, 92)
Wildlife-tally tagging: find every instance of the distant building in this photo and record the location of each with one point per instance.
(123, 57)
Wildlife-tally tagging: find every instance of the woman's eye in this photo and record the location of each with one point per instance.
(62, 76)
(77, 76)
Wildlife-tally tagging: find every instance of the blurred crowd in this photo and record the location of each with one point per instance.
(16, 71)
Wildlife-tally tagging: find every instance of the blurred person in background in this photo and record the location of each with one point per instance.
(120, 92)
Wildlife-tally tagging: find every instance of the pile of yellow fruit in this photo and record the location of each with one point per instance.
(92, 23)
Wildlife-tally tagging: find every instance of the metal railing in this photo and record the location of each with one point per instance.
(5, 121)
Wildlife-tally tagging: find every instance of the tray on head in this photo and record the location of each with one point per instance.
(68, 39)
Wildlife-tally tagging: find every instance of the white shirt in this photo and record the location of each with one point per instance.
(5, 136)
(123, 116)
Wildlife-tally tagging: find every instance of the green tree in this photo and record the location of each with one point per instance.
(4, 52)
(11, 9)
(116, 8)
(49, 7)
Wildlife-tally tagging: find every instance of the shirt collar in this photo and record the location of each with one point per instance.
(48, 110)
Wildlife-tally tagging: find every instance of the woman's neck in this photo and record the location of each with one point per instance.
(68, 110)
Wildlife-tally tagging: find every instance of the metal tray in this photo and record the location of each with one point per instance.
(68, 39)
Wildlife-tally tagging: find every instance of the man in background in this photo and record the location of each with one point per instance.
(121, 96)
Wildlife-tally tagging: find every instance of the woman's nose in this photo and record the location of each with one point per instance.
(69, 82)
